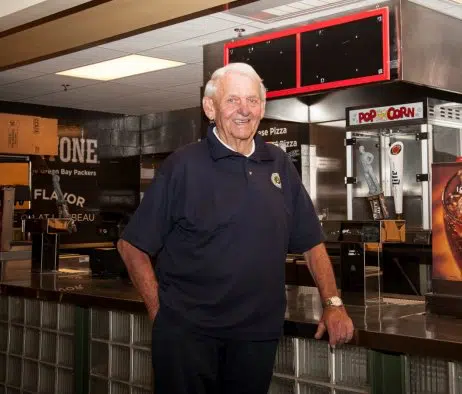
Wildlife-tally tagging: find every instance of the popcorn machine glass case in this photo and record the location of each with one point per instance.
(390, 151)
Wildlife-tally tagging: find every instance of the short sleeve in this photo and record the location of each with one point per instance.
(306, 231)
(151, 222)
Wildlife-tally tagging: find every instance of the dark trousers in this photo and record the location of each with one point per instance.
(189, 363)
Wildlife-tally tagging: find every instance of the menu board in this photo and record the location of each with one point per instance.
(342, 52)
(289, 136)
(345, 51)
(272, 59)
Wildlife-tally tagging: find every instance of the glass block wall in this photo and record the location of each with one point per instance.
(120, 353)
(36, 346)
(308, 366)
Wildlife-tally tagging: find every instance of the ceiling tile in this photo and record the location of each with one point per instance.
(16, 75)
(232, 18)
(76, 59)
(107, 90)
(182, 75)
(170, 34)
(45, 84)
(180, 52)
(10, 96)
(190, 88)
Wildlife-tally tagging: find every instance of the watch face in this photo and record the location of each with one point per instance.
(335, 301)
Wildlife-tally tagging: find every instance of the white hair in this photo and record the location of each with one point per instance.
(241, 68)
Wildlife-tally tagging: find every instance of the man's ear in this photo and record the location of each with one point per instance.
(209, 107)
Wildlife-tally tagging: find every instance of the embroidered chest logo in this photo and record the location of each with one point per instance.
(276, 179)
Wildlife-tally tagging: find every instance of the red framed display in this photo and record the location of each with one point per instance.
(287, 47)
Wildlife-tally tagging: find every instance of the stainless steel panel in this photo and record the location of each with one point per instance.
(330, 164)
(430, 47)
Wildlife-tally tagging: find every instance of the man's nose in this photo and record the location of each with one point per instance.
(244, 107)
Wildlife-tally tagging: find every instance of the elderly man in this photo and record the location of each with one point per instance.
(220, 217)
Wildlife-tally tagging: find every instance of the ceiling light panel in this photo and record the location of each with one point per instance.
(121, 67)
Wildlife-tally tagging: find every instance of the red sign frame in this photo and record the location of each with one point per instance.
(385, 76)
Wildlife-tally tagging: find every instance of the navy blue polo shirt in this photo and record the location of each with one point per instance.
(220, 225)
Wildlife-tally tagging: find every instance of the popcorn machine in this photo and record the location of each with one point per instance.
(390, 151)
(389, 154)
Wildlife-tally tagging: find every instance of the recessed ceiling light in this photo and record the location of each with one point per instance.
(120, 68)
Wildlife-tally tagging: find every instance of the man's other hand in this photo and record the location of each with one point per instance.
(337, 323)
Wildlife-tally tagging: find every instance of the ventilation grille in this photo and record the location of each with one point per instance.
(446, 113)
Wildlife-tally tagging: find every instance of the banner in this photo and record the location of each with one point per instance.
(447, 221)
(77, 168)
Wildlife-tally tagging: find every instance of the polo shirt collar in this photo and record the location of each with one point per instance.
(219, 151)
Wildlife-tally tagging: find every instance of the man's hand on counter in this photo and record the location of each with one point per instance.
(337, 323)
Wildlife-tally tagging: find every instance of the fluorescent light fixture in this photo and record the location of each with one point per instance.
(120, 68)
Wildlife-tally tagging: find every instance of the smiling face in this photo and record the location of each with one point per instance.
(236, 108)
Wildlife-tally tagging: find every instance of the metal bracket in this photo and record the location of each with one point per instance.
(421, 177)
(350, 180)
(350, 141)
(421, 136)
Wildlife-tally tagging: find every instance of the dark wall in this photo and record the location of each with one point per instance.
(117, 134)
(167, 131)
(89, 181)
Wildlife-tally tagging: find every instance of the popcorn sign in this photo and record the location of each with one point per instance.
(386, 114)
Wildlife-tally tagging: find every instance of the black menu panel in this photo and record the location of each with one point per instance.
(341, 52)
(274, 60)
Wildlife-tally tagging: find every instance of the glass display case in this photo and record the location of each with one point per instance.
(389, 153)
